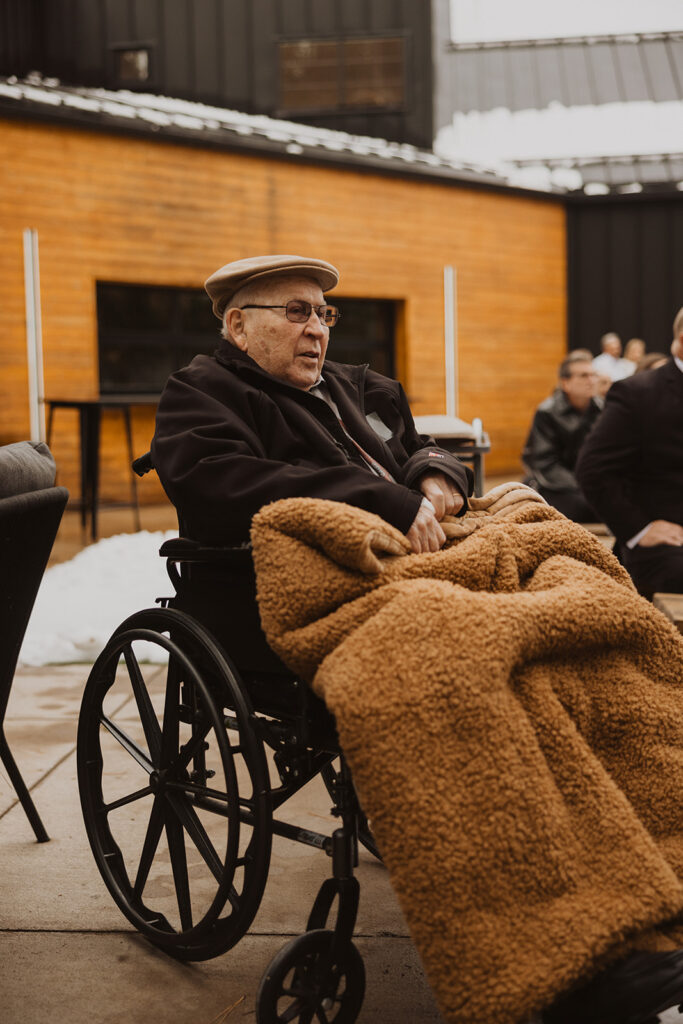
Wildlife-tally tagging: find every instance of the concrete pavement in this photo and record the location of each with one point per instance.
(67, 953)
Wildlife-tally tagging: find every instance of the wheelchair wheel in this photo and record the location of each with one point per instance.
(174, 785)
(305, 983)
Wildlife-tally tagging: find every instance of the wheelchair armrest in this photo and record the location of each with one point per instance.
(143, 464)
(183, 549)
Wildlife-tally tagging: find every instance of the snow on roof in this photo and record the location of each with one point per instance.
(169, 115)
(560, 144)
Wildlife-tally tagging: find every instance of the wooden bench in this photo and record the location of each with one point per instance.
(672, 606)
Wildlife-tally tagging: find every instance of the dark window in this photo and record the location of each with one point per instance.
(145, 333)
(132, 65)
(364, 333)
(351, 74)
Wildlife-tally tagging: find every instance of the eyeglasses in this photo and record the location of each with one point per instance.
(299, 312)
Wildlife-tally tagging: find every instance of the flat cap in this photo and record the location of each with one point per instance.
(223, 284)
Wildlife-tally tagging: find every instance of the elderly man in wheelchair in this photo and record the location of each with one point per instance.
(268, 419)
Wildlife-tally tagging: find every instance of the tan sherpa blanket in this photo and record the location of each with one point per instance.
(512, 712)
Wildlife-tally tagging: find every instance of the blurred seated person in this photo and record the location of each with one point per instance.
(603, 382)
(609, 361)
(269, 417)
(631, 471)
(560, 425)
(634, 352)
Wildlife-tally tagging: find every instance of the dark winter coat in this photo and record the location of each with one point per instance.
(231, 438)
(631, 467)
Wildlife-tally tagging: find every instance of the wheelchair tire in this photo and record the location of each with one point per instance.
(304, 983)
(174, 785)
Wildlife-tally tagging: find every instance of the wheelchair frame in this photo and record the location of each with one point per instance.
(201, 743)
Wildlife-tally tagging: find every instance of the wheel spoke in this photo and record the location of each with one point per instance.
(149, 847)
(176, 846)
(170, 732)
(128, 744)
(296, 1011)
(145, 709)
(321, 1015)
(191, 822)
(131, 798)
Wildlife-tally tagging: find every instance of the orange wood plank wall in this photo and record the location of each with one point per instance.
(118, 208)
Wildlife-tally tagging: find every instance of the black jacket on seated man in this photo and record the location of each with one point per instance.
(631, 470)
(231, 438)
(557, 432)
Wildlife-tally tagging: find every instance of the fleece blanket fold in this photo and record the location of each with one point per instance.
(512, 713)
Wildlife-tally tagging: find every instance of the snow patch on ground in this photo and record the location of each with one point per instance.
(80, 602)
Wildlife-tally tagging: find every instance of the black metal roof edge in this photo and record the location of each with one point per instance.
(634, 38)
(23, 109)
(647, 195)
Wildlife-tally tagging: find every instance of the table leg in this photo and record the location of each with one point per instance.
(92, 463)
(133, 479)
(85, 479)
(477, 463)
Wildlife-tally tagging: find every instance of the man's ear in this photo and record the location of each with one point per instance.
(234, 321)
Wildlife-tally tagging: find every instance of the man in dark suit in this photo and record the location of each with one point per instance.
(631, 471)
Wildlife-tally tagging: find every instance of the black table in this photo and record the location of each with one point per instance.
(90, 417)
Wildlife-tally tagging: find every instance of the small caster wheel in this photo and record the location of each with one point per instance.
(303, 984)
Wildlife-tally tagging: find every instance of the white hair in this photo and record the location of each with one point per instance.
(250, 292)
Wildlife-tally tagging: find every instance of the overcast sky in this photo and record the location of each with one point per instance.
(485, 20)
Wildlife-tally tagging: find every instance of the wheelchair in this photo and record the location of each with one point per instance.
(192, 734)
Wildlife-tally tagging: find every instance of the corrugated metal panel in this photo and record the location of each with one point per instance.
(550, 77)
(464, 81)
(493, 85)
(323, 15)
(234, 28)
(206, 58)
(651, 170)
(577, 76)
(628, 61)
(674, 48)
(523, 76)
(598, 172)
(603, 73)
(662, 83)
(626, 265)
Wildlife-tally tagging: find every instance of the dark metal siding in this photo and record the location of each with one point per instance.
(222, 52)
(625, 270)
(20, 37)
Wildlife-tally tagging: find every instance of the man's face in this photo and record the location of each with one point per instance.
(580, 386)
(612, 345)
(292, 352)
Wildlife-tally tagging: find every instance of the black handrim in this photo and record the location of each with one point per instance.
(176, 804)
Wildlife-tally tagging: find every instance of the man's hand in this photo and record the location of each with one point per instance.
(443, 494)
(426, 534)
(661, 531)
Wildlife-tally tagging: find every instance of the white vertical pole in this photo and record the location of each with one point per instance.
(450, 317)
(34, 335)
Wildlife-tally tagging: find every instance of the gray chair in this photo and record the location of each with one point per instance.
(28, 526)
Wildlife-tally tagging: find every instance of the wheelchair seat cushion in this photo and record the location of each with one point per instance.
(510, 709)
